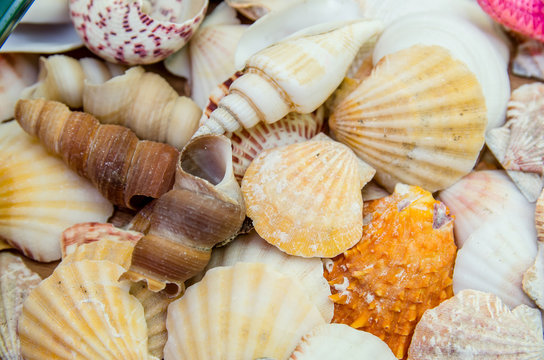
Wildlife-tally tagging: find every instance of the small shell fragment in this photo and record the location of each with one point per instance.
(529, 60)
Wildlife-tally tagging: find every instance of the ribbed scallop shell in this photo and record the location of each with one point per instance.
(239, 312)
(17, 71)
(252, 248)
(306, 198)
(418, 119)
(339, 341)
(529, 60)
(482, 197)
(16, 282)
(477, 325)
(40, 196)
(401, 267)
(82, 312)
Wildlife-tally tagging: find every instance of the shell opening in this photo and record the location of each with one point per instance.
(207, 158)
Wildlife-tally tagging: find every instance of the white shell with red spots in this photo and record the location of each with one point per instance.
(136, 32)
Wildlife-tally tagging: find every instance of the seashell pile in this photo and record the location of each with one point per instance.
(272, 180)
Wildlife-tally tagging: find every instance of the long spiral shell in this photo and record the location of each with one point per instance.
(125, 170)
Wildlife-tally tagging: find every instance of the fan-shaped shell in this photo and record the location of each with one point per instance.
(239, 312)
(81, 311)
(252, 248)
(306, 198)
(419, 118)
(477, 325)
(339, 341)
(40, 196)
(16, 282)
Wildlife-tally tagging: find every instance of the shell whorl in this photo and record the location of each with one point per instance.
(125, 170)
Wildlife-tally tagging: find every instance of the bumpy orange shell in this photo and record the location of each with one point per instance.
(402, 266)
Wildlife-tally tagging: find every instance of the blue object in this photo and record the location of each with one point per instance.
(11, 11)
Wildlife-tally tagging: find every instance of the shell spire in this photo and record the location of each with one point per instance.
(275, 84)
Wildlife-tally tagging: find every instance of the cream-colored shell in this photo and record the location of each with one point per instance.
(306, 198)
(82, 312)
(239, 312)
(418, 119)
(341, 342)
(477, 325)
(255, 9)
(251, 248)
(16, 282)
(40, 196)
(17, 71)
(533, 279)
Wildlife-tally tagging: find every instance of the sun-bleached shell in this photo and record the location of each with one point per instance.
(533, 278)
(393, 130)
(40, 196)
(135, 32)
(256, 312)
(529, 60)
(17, 71)
(306, 198)
(251, 248)
(339, 341)
(477, 325)
(16, 282)
(517, 145)
(82, 310)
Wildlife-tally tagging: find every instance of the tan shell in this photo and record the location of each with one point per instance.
(255, 312)
(40, 196)
(306, 198)
(16, 282)
(476, 325)
(82, 312)
(430, 140)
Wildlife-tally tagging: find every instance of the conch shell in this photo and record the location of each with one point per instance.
(126, 171)
(297, 74)
(136, 32)
(204, 208)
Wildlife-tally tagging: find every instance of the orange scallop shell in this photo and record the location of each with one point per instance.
(402, 266)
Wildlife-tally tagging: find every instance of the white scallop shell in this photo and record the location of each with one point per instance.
(341, 342)
(252, 248)
(40, 196)
(466, 42)
(16, 282)
(476, 325)
(17, 71)
(254, 312)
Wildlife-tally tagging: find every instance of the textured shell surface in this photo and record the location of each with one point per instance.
(251, 248)
(533, 278)
(42, 39)
(40, 196)
(482, 197)
(293, 128)
(529, 60)
(517, 145)
(340, 342)
(17, 71)
(465, 42)
(136, 32)
(240, 312)
(401, 267)
(539, 217)
(430, 140)
(16, 282)
(477, 325)
(82, 312)
(306, 198)
(522, 16)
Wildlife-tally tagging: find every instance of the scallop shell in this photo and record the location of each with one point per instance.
(16, 282)
(476, 325)
(411, 139)
(306, 198)
(134, 32)
(401, 267)
(517, 145)
(482, 197)
(339, 341)
(17, 71)
(82, 311)
(529, 60)
(255, 312)
(274, 85)
(40, 196)
(252, 248)
(523, 16)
